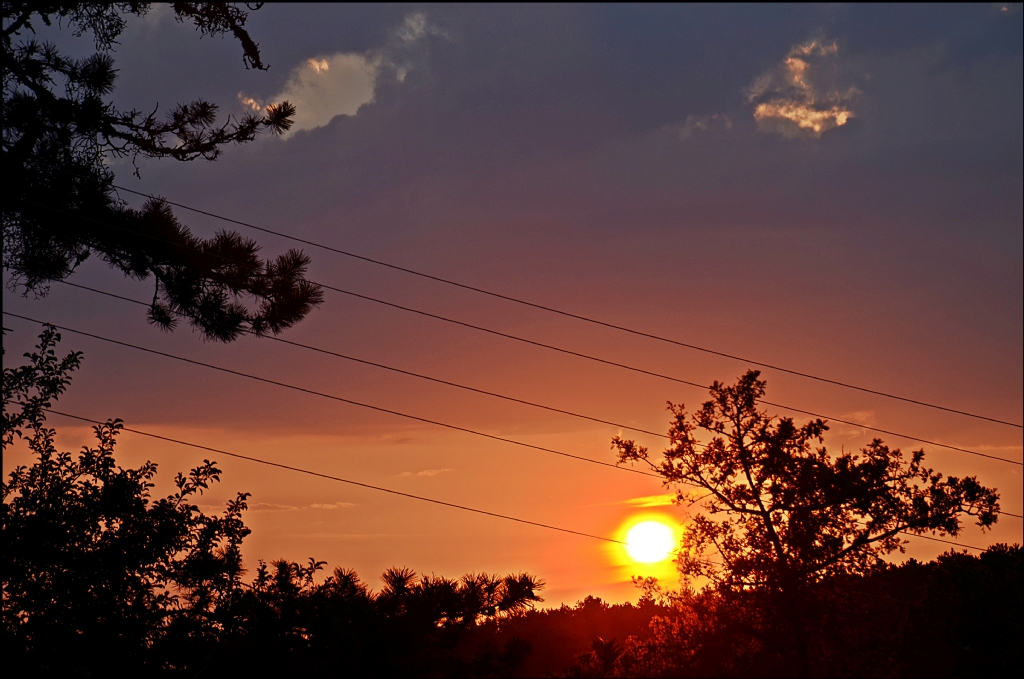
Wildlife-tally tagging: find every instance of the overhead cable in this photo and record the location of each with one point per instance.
(579, 317)
(332, 397)
(452, 505)
(409, 373)
(587, 417)
(348, 401)
(552, 347)
(348, 481)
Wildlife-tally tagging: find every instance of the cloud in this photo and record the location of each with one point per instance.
(427, 472)
(415, 27)
(652, 500)
(334, 505)
(270, 507)
(326, 86)
(694, 124)
(789, 99)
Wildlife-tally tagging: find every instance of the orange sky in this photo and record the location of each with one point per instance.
(297, 516)
(606, 160)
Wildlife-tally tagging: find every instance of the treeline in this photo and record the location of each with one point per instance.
(958, 616)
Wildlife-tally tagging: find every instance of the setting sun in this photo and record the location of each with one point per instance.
(650, 542)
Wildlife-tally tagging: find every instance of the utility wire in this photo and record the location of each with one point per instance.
(348, 481)
(337, 398)
(641, 371)
(547, 346)
(396, 492)
(566, 412)
(383, 366)
(332, 397)
(575, 316)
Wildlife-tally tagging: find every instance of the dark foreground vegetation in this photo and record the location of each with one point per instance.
(100, 578)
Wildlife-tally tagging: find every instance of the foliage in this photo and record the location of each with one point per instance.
(957, 616)
(60, 206)
(91, 559)
(100, 578)
(558, 637)
(782, 511)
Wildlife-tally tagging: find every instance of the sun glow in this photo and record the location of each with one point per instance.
(650, 542)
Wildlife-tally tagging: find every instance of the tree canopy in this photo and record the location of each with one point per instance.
(60, 206)
(781, 509)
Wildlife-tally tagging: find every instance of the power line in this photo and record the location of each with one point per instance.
(575, 316)
(400, 493)
(650, 373)
(333, 397)
(551, 310)
(349, 401)
(383, 366)
(547, 346)
(567, 351)
(348, 481)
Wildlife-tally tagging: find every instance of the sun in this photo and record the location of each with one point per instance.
(650, 541)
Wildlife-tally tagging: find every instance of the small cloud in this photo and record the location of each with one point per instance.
(334, 505)
(426, 472)
(249, 102)
(860, 416)
(270, 507)
(415, 27)
(652, 500)
(790, 98)
(326, 86)
(702, 123)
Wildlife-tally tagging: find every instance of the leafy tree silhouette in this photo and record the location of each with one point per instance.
(781, 512)
(100, 578)
(91, 560)
(60, 206)
(784, 513)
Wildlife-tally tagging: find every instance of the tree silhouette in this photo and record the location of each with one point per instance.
(782, 512)
(91, 560)
(101, 578)
(60, 205)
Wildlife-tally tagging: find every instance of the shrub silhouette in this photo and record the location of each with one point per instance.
(102, 578)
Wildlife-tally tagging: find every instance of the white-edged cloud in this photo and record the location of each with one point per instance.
(325, 86)
(796, 99)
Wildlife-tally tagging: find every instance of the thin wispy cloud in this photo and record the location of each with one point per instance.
(704, 123)
(796, 99)
(427, 472)
(663, 500)
(270, 507)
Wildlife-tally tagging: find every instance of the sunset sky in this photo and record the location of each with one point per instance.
(833, 189)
